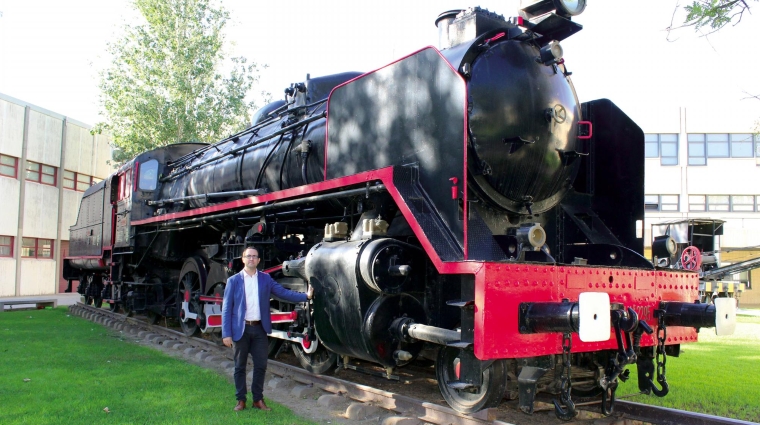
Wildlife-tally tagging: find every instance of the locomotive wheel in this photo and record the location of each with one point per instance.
(92, 288)
(189, 284)
(152, 317)
(468, 401)
(321, 361)
(127, 311)
(113, 307)
(216, 336)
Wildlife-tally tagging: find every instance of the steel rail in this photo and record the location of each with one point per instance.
(666, 416)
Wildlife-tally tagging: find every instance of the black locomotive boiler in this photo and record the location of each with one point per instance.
(459, 204)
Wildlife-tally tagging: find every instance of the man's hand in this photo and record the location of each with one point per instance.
(227, 341)
(310, 292)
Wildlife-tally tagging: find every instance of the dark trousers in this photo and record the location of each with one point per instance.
(255, 343)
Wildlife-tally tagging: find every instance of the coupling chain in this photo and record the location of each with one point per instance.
(662, 336)
(566, 385)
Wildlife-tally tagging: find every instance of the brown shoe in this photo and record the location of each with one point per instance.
(240, 406)
(260, 405)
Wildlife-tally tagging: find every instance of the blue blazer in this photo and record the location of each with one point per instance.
(233, 308)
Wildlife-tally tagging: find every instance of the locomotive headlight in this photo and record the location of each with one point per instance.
(570, 7)
(531, 234)
(566, 8)
(551, 53)
(664, 246)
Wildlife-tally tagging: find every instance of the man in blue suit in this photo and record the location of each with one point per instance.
(246, 321)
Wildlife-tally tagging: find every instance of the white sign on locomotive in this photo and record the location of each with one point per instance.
(458, 204)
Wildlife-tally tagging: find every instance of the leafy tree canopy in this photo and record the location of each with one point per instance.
(715, 14)
(166, 82)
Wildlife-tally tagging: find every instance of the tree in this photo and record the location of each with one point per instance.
(715, 14)
(165, 82)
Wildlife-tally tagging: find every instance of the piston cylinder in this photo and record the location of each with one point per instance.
(351, 318)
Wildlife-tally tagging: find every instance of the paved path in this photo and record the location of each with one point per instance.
(62, 299)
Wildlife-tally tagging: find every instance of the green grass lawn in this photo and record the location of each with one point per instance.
(717, 376)
(61, 369)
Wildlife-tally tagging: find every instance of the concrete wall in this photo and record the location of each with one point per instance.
(7, 277)
(42, 211)
(44, 145)
(10, 189)
(39, 277)
(70, 208)
(79, 148)
(11, 128)
(101, 159)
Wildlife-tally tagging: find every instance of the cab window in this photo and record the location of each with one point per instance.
(148, 175)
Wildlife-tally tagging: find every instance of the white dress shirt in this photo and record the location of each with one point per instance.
(252, 310)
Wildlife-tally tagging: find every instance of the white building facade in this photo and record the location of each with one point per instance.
(702, 163)
(46, 162)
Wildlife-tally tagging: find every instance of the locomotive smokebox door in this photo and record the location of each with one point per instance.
(523, 129)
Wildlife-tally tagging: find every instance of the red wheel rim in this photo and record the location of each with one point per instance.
(691, 258)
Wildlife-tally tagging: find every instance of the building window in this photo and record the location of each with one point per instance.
(36, 248)
(741, 146)
(8, 166)
(40, 173)
(742, 203)
(77, 181)
(664, 146)
(661, 202)
(703, 146)
(6, 246)
(697, 202)
(696, 149)
(717, 146)
(737, 203)
(718, 203)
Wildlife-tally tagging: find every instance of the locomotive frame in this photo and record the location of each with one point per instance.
(433, 202)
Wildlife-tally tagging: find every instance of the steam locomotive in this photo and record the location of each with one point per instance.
(457, 204)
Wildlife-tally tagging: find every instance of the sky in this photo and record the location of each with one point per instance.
(51, 51)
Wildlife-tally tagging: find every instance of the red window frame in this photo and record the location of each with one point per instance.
(34, 243)
(125, 185)
(3, 164)
(4, 245)
(73, 182)
(40, 170)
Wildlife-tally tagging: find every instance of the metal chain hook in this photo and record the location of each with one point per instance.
(565, 383)
(662, 336)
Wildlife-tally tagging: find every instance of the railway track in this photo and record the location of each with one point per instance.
(366, 403)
